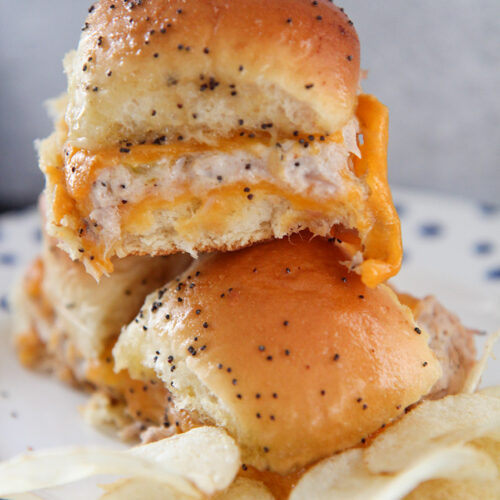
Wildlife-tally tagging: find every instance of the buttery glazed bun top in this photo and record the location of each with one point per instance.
(283, 346)
(207, 68)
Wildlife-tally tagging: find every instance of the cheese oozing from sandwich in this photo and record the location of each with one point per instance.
(186, 196)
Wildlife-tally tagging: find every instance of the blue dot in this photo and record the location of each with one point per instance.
(431, 230)
(37, 235)
(7, 259)
(483, 247)
(489, 208)
(493, 274)
(4, 304)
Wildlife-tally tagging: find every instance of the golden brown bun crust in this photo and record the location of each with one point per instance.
(306, 51)
(300, 357)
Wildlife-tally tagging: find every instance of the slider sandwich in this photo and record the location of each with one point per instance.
(193, 126)
(291, 353)
(66, 324)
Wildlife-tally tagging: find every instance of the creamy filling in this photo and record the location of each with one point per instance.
(316, 170)
(320, 172)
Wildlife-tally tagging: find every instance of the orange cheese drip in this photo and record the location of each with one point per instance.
(146, 400)
(383, 249)
(280, 486)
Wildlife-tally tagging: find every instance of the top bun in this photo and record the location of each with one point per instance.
(210, 68)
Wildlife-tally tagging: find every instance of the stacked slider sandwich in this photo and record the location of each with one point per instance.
(190, 128)
(234, 132)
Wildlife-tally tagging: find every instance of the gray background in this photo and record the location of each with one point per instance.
(435, 63)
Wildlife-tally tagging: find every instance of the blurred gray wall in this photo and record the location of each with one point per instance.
(435, 63)
(34, 36)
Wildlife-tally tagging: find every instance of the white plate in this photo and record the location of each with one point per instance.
(452, 250)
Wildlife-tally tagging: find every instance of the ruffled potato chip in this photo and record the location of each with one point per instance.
(203, 460)
(433, 425)
(133, 489)
(444, 489)
(138, 488)
(346, 477)
(207, 456)
(474, 378)
(464, 489)
(25, 496)
(245, 489)
(448, 448)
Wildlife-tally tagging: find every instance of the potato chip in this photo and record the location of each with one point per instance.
(336, 476)
(432, 425)
(25, 496)
(474, 377)
(491, 447)
(493, 391)
(444, 489)
(245, 489)
(133, 489)
(346, 477)
(205, 456)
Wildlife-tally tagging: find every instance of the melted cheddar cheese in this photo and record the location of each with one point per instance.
(383, 248)
(219, 203)
(280, 486)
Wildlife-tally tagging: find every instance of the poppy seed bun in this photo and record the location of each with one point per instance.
(196, 67)
(91, 313)
(88, 313)
(284, 347)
